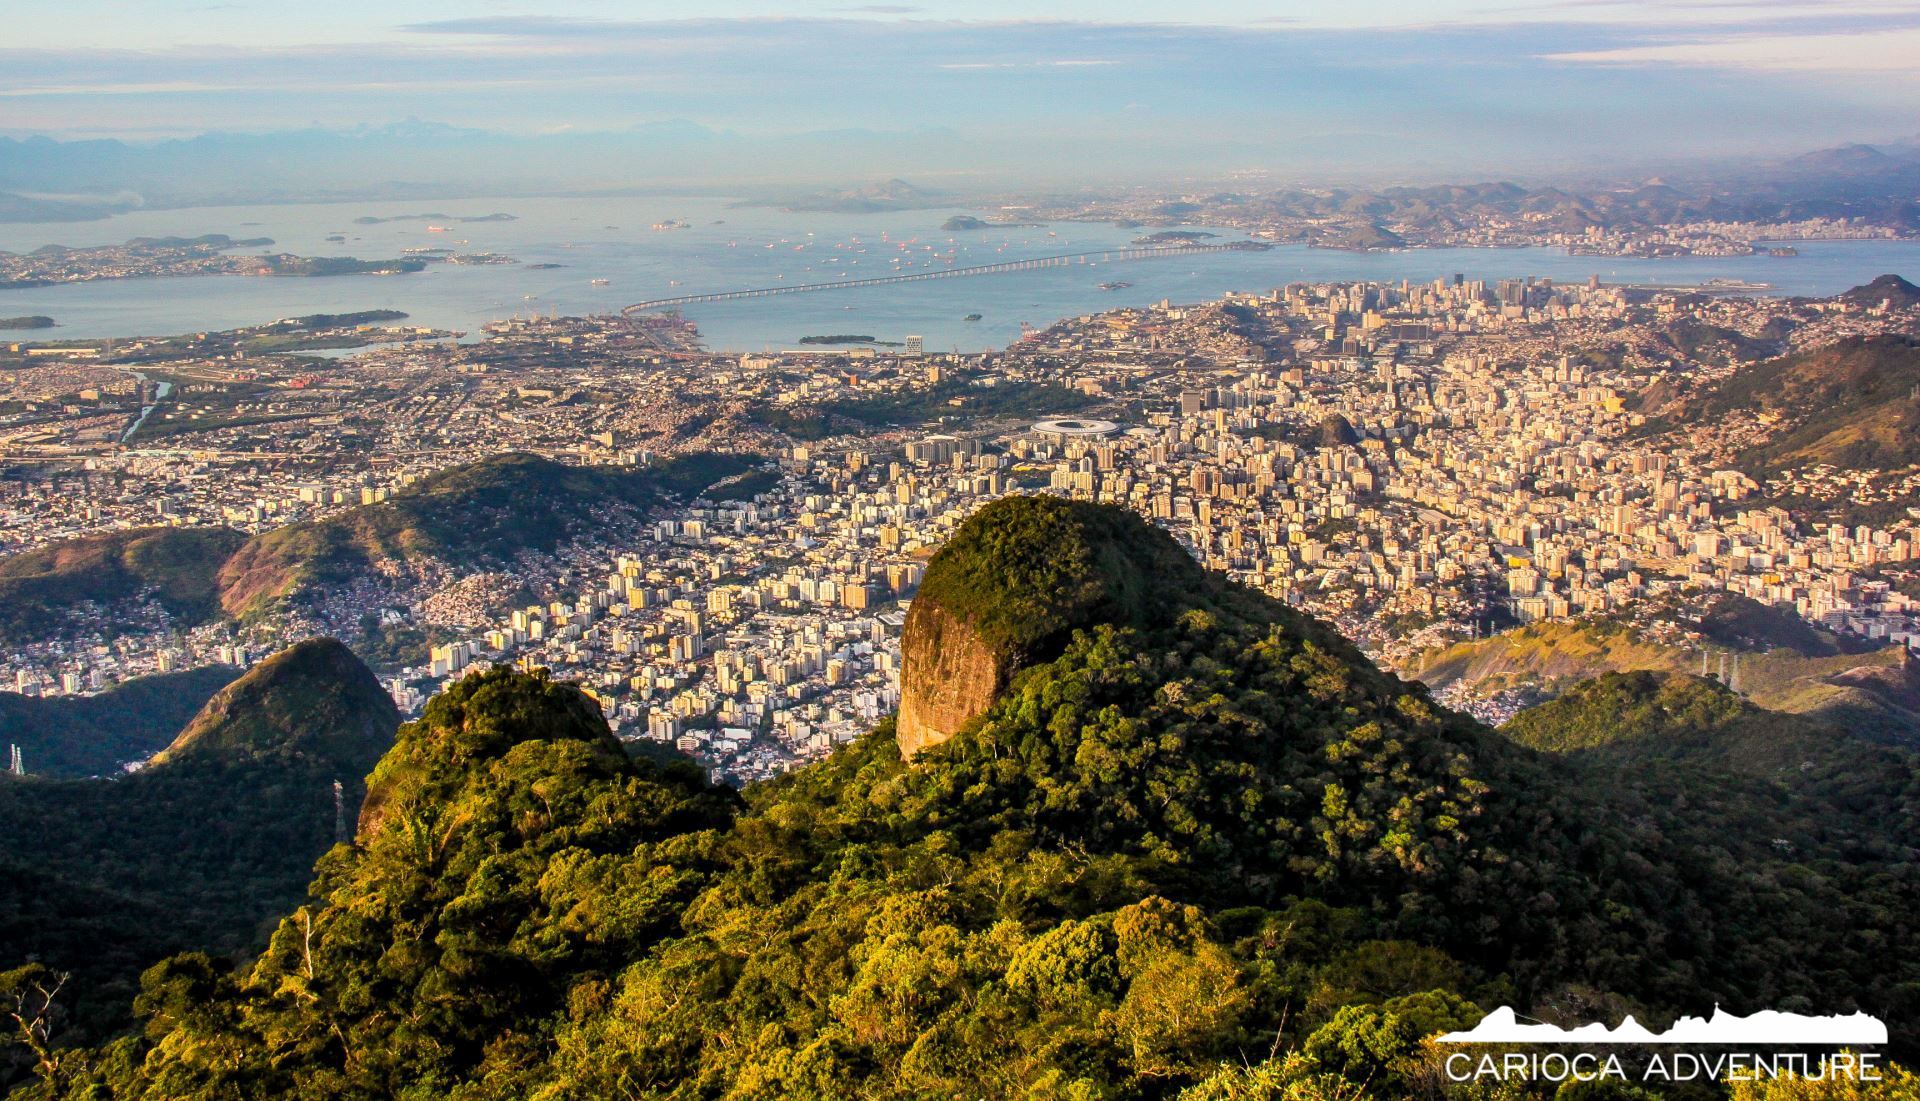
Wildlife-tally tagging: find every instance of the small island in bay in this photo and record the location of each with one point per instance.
(205, 240)
(31, 321)
(459, 258)
(337, 320)
(961, 222)
(1174, 237)
(282, 264)
(840, 338)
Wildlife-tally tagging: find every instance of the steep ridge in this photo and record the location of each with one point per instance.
(1001, 596)
(102, 877)
(1193, 845)
(1875, 692)
(39, 588)
(471, 516)
(1851, 404)
(314, 699)
(510, 856)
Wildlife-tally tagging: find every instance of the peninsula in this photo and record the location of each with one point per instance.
(209, 254)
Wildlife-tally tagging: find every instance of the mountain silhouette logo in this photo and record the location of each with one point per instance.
(1767, 1027)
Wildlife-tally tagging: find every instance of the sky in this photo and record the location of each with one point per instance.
(1391, 85)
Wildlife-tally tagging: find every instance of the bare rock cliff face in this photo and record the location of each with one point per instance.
(1009, 590)
(948, 675)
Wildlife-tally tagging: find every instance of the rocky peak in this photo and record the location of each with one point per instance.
(1008, 591)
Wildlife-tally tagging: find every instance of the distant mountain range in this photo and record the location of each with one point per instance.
(42, 179)
(1847, 171)
(888, 195)
(1764, 195)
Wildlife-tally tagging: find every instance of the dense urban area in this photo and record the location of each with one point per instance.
(1418, 463)
(1109, 552)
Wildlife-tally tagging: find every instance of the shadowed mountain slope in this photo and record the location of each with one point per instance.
(39, 588)
(74, 736)
(103, 877)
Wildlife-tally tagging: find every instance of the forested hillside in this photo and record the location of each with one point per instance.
(41, 589)
(1850, 404)
(100, 878)
(1196, 846)
(1781, 664)
(477, 514)
(76, 736)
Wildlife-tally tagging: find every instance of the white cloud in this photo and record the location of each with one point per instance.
(158, 88)
(1885, 51)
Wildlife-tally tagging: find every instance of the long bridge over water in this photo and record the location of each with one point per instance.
(1107, 256)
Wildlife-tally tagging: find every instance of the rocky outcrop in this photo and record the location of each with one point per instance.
(948, 675)
(1009, 590)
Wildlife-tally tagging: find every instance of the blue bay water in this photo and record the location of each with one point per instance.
(727, 248)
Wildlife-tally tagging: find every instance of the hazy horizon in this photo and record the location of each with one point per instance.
(770, 93)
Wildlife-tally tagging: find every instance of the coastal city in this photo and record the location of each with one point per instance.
(767, 551)
(1417, 463)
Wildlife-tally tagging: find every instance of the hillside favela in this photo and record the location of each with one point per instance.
(1217, 551)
